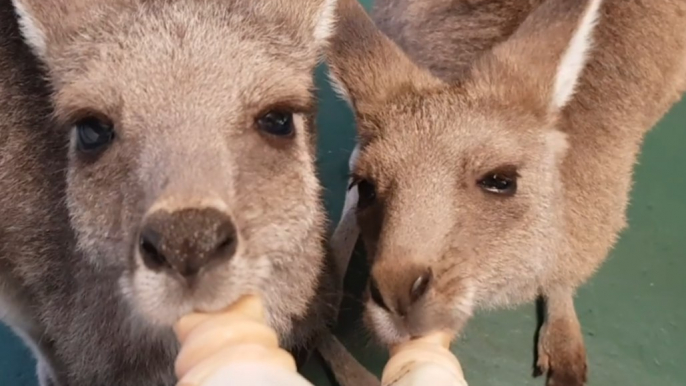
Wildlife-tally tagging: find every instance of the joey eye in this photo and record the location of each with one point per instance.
(93, 134)
(500, 182)
(366, 193)
(278, 123)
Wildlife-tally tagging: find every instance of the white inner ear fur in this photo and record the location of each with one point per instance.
(339, 88)
(325, 21)
(575, 58)
(31, 29)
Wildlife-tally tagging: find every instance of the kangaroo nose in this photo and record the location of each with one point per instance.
(187, 240)
(420, 286)
(400, 291)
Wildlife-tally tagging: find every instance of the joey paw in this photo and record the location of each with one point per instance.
(561, 354)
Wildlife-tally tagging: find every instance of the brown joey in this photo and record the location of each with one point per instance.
(495, 167)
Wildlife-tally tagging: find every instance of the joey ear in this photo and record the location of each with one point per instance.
(365, 66)
(551, 48)
(324, 20)
(33, 18)
(44, 22)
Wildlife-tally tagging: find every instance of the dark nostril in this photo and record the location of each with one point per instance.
(420, 286)
(227, 241)
(376, 294)
(150, 249)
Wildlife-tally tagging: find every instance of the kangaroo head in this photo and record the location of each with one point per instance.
(459, 183)
(191, 158)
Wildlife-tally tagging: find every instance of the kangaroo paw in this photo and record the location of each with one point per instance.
(561, 351)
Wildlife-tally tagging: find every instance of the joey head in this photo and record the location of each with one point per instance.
(508, 178)
(180, 176)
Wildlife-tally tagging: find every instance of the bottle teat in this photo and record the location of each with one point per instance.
(239, 334)
(426, 357)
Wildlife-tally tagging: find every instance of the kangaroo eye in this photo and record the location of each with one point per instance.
(278, 123)
(499, 182)
(366, 193)
(93, 134)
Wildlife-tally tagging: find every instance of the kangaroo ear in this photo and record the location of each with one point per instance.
(324, 20)
(44, 22)
(365, 66)
(549, 51)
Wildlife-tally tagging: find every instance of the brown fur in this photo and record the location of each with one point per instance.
(446, 36)
(481, 100)
(183, 82)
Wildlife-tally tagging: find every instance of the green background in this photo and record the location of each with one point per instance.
(633, 312)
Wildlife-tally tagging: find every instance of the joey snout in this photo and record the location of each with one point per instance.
(186, 242)
(404, 302)
(399, 291)
(189, 255)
